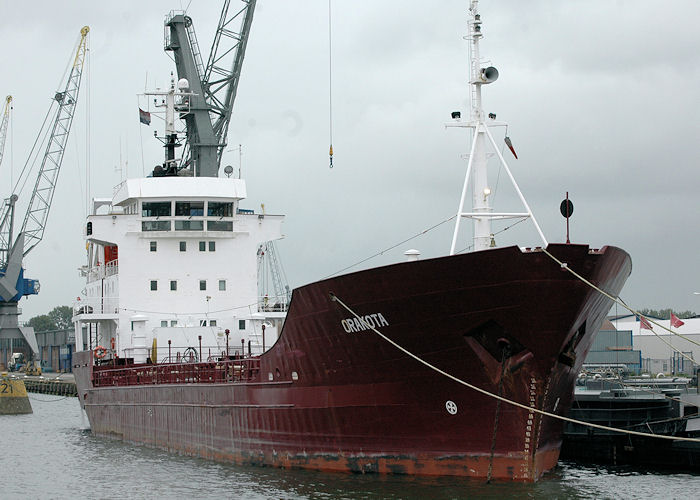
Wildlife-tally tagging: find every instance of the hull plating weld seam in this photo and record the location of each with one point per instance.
(235, 384)
(192, 405)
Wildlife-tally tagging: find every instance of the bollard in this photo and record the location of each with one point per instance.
(13, 396)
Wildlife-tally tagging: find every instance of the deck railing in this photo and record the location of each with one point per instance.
(273, 303)
(214, 372)
(102, 271)
(96, 305)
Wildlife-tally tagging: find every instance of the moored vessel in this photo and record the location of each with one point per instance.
(253, 378)
(664, 407)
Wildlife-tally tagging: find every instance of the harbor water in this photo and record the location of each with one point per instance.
(52, 454)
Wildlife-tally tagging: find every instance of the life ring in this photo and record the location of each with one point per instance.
(100, 352)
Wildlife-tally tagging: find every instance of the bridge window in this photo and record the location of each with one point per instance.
(189, 208)
(216, 209)
(155, 208)
(155, 225)
(219, 225)
(189, 225)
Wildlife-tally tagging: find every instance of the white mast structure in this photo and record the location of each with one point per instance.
(482, 213)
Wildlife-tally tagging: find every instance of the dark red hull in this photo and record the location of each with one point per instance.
(333, 395)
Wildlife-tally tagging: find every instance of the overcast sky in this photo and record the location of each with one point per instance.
(601, 98)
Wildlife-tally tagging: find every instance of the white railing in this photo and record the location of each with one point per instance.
(272, 303)
(96, 305)
(102, 271)
(111, 268)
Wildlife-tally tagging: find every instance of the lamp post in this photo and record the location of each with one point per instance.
(263, 337)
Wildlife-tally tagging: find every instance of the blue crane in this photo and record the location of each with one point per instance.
(13, 284)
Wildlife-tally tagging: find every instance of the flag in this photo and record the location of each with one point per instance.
(144, 117)
(644, 323)
(510, 146)
(675, 322)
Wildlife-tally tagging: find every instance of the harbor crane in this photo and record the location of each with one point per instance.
(3, 124)
(267, 254)
(214, 86)
(13, 284)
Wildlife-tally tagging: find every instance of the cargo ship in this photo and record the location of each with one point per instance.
(183, 350)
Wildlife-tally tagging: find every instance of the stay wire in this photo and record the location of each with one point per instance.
(496, 233)
(39, 136)
(330, 86)
(391, 247)
(88, 96)
(12, 149)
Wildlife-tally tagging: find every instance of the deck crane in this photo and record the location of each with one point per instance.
(13, 284)
(267, 254)
(214, 86)
(3, 124)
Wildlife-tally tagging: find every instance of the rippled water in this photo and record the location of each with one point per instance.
(51, 454)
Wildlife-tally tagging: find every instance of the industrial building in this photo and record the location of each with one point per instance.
(662, 351)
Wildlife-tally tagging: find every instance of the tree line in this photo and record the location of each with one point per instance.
(666, 313)
(59, 318)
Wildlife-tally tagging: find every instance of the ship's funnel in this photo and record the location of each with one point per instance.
(488, 75)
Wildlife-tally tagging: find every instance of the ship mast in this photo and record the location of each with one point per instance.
(482, 213)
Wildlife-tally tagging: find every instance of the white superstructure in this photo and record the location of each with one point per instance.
(173, 258)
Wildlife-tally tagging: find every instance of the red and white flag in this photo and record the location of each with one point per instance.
(644, 323)
(675, 322)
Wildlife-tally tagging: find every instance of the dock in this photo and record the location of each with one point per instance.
(58, 384)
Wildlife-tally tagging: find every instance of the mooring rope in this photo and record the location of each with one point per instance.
(619, 301)
(501, 398)
(48, 400)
